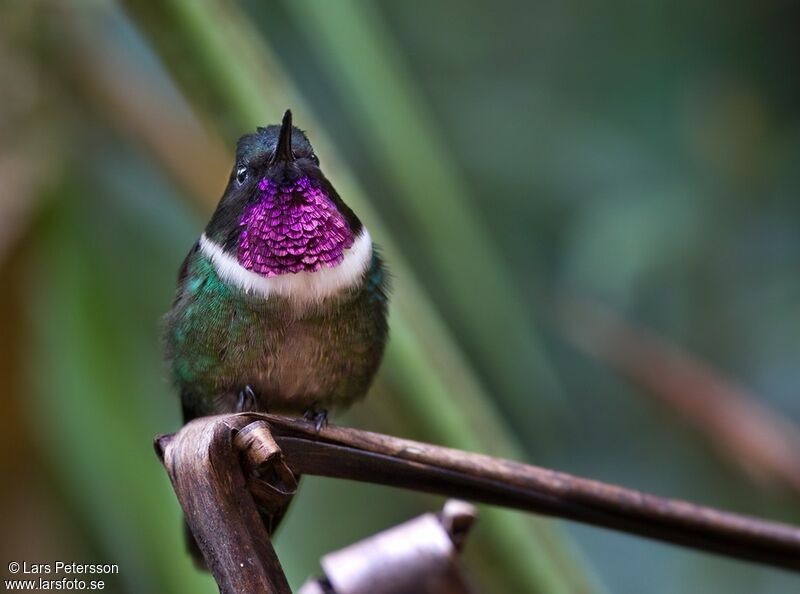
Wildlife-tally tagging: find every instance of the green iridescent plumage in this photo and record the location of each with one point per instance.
(220, 340)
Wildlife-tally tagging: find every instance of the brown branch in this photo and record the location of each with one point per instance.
(419, 556)
(222, 500)
(341, 452)
(203, 462)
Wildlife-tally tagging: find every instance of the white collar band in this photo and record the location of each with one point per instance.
(299, 286)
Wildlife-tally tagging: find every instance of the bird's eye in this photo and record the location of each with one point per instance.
(313, 157)
(241, 175)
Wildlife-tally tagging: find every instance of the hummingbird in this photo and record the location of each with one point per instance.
(281, 303)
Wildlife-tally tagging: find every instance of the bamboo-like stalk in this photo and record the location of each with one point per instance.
(399, 130)
(234, 76)
(746, 432)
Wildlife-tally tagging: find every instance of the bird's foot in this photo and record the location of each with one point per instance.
(317, 416)
(247, 400)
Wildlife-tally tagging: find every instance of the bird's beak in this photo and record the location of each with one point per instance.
(283, 152)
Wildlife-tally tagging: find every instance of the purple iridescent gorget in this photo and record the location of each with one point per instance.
(294, 227)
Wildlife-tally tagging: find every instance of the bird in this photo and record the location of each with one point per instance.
(281, 304)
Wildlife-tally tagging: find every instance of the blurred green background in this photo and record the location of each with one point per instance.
(511, 157)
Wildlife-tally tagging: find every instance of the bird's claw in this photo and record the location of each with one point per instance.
(247, 400)
(319, 417)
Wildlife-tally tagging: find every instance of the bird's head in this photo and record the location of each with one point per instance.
(280, 214)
